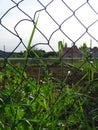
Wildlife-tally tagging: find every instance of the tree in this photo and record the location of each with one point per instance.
(50, 54)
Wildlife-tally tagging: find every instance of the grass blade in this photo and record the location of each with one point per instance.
(31, 38)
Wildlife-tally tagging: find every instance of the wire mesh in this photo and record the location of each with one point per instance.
(72, 15)
(54, 25)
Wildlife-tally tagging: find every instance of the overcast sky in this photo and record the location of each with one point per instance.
(62, 26)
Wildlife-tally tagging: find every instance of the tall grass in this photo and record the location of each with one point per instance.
(31, 38)
(28, 104)
(52, 104)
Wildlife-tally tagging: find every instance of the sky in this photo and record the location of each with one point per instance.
(58, 21)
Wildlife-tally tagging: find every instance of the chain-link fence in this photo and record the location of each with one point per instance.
(73, 22)
(83, 15)
(67, 22)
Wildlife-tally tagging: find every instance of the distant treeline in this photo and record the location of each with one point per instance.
(32, 53)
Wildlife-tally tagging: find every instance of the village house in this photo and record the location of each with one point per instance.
(94, 52)
(4, 54)
(73, 51)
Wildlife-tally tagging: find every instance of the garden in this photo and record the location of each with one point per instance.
(49, 102)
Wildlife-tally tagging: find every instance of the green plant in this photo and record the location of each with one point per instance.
(28, 104)
(31, 38)
(60, 48)
(52, 103)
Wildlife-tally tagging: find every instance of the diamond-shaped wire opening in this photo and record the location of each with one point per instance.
(59, 11)
(73, 28)
(86, 15)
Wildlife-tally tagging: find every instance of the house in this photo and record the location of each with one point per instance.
(73, 51)
(94, 52)
(5, 54)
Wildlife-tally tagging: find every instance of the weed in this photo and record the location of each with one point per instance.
(27, 104)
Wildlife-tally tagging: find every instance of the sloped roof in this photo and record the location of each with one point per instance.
(72, 52)
(4, 54)
(95, 51)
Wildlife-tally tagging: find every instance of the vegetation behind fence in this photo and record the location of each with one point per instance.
(52, 90)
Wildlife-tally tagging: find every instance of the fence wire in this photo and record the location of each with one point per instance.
(44, 7)
(66, 67)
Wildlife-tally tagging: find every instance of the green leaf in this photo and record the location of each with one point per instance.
(1, 125)
(60, 47)
(31, 37)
